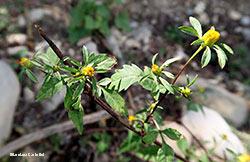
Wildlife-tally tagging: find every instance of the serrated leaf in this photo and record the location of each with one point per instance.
(228, 48)
(68, 98)
(169, 61)
(166, 153)
(31, 75)
(189, 30)
(154, 58)
(206, 57)
(49, 89)
(197, 26)
(150, 137)
(77, 118)
(124, 78)
(104, 81)
(222, 58)
(172, 133)
(167, 85)
(79, 90)
(116, 102)
(197, 42)
(85, 55)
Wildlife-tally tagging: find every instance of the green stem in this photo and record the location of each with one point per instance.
(184, 66)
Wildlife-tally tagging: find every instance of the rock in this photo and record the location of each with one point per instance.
(204, 18)
(131, 43)
(211, 129)
(16, 39)
(92, 47)
(181, 129)
(200, 7)
(16, 50)
(10, 90)
(82, 41)
(21, 21)
(29, 95)
(51, 104)
(37, 14)
(112, 42)
(229, 105)
(246, 33)
(234, 15)
(245, 20)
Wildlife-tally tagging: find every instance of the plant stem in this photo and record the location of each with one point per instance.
(173, 82)
(99, 101)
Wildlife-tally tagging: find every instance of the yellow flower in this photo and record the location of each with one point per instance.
(131, 118)
(186, 91)
(210, 37)
(244, 158)
(152, 106)
(156, 69)
(89, 71)
(224, 136)
(201, 89)
(26, 62)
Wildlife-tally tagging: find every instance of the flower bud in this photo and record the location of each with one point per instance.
(55, 68)
(26, 62)
(186, 91)
(210, 37)
(156, 69)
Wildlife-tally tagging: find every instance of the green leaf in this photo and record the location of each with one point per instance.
(115, 101)
(74, 62)
(85, 55)
(172, 133)
(168, 74)
(104, 81)
(228, 48)
(158, 117)
(166, 153)
(154, 58)
(20, 75)
(49, 89)
(193, 81)
(79, 90)
(222, 58)
(189, 30)
(206, 57)
(197, 42)
(147, 153)
(182, 145)
(196, 24)
(124, 78)
(77, 118)
(166, 85)
(150, 137)
(93, 86)
(67, 69)
(98, 91)
(169, 61)
(68, 98)
(31, 75)
(102, 61)
(78, 105)
(103, 11)
(89, 22)
(188, 79)
(122, 21)
(37, 63)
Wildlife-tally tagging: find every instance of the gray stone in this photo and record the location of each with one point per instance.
(10, 91)
(204, 18)
(200, 7)
(234, 15)
(92, 47)
(21, 21)
(29, 95)
(245, 20)
(37, 14)
(209, 127)
(16, 39)
(230, 106)
(16, 50)
(246, 33)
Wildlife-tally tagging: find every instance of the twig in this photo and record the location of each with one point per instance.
(45, 132)
(99, 101)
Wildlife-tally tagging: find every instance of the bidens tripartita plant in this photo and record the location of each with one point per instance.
(144, 126)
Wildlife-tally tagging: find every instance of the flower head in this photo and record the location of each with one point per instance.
(224, 136)
(156, 69)
(26, 62)
(89, 71)
(186, 91)
(210, 37)
(131, 118)
(244, 158)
